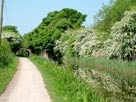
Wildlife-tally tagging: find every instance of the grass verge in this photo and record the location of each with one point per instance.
(62, 85)
(122, 70)
(6, 74)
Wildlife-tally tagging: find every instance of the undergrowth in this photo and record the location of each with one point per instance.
(6, 73)
(63, 85)
(122, 70)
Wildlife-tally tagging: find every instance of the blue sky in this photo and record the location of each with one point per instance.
(27, 14)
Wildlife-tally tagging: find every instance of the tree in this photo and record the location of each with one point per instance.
(10, 28)
(111, 13)
(122, 44)
(13, 37)
(45, 35)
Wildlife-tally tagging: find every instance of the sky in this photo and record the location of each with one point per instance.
(28, 14)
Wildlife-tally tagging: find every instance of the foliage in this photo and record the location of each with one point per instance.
(10, 28)
(111, 13)
(22, 53)
(122, 44)
(81, 42)
(113, 79)
(7, 73)
(122, 70)
(63, 86)
(5, 54)
(44, 36)
(13, 37)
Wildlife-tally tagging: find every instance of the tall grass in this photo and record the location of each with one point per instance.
(5, 54)
(8, 64)
(123, 70)
(6, 73)
(63, 86)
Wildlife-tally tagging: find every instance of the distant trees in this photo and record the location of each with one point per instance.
(111, 13)
(12, 35)
(120, 45)
(45, 35)
(10, 28)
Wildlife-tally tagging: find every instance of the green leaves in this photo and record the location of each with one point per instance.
(111, 13)
(50, 30)
(13, 37)
(123, 41)
(81, 42)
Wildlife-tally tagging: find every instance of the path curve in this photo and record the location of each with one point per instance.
(26, 86)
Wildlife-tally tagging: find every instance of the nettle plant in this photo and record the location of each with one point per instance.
(122, 44)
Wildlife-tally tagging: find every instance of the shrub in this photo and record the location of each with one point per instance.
(82, 42)
(7, 72)
(5, 54)
(122, 44)
(22, 53)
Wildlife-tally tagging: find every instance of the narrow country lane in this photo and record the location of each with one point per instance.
(26, 86)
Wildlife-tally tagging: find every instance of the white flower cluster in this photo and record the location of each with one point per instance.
(12, 36)
(122, 44)
(86, 42)
(82, 42)
(7, 34)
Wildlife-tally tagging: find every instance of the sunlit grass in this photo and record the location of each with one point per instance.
(123, 70)
(63, 86)
(6, 73)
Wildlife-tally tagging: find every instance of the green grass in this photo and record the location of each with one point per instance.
(122, 70)
(6, 73)
(63, 85)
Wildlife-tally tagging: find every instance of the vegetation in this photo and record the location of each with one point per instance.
(122, 70)
(111, 13)
(83, 42)
(8, 64)
(63, 86)
(6, 73)
(122, 43)
(11, 34)
(22, 53)
(8, 61)
(108, 47)
(44, 36)
(5, 54)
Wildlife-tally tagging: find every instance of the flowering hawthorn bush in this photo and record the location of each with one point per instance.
(82, 42)
(122, 44)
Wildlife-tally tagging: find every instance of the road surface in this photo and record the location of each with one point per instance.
(26, 86)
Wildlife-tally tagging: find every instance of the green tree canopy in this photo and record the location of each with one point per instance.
(13, 37)
(10, 28)
(44, 36)
(111, 13)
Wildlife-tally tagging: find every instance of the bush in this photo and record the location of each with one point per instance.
(22, 53)
(7, 73)
(122, 44)
(82, 42)
(5, 54)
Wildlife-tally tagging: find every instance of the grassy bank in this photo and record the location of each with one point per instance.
(63, 86)
(123, 70)
(7, 72)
